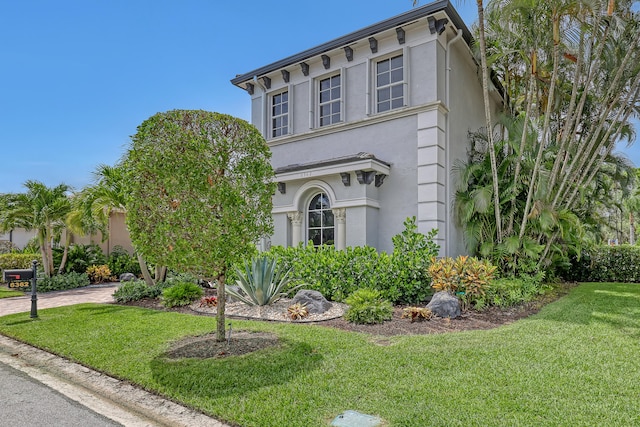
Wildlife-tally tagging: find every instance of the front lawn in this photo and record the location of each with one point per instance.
(575, 363)
(5, 292)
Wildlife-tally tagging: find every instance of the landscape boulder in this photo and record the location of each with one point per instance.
(313, 300)
(127, 277)
(443, 304)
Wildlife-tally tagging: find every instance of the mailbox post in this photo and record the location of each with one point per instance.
(34, 296)
(20, 279)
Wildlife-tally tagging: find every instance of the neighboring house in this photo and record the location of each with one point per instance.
(19, 237)
(118, 236)
(365, 130)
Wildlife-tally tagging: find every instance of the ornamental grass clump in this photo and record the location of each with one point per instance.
(262, 282)
(366, 306)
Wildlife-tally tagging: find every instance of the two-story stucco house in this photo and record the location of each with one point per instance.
(365, 129)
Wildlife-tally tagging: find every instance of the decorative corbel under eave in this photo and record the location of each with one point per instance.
(305, 68)
(346, 178)
(373, 44)
(365, 177)
(250, 88)
(437, 25)
(282, 187)
(401, 35)
(348, 52)
(326, 61)
(285, 76)
(380, 179)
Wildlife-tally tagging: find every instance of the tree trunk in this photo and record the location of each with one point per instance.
(632, 230)
(161, 273)
(65, 254)
(545, 128)
(220, 329)
(43, 254)
(145, 271)
(487, 114)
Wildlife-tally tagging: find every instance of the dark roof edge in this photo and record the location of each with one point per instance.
(330, 162)
(411, 15)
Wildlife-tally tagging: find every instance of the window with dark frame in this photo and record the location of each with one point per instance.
(320, 222)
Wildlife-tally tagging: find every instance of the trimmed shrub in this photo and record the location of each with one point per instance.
(99, 273)
(412, 255)
(136, 290)
(62, 282)
(181, 294)
(468, 278)
(13, 261)
(401, 277)
(366, 306)
(80, 257)
(605, 264)
(507, 292)
(119, 262)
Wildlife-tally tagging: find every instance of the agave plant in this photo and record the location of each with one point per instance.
(262, 282)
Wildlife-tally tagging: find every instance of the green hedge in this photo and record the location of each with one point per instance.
(11, 261)
(401, 277)
(606, 264)
(61, 282)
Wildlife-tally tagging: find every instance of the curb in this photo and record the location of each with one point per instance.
(101, 393)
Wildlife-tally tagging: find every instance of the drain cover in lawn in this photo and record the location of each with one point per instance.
(355, 419)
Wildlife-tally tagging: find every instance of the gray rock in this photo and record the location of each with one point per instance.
(443, 304)
(127, 277)
(313, 300)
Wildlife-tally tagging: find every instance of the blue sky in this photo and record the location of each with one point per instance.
(78, 76)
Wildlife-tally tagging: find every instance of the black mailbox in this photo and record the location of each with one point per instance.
(17, 275)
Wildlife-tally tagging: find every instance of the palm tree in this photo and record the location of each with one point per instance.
(108, 195)
(41, 208)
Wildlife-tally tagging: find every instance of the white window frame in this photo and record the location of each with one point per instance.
(318, 105)
(374, 81)
(289, 114)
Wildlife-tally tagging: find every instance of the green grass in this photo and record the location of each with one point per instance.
(8, 293)
(573, 364)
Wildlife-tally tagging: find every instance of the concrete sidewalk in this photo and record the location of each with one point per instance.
(110, 397)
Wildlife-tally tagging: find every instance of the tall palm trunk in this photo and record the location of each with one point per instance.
(488, 124)
(547, 121)
(523, 140)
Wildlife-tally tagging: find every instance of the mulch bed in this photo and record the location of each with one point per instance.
(243, 342)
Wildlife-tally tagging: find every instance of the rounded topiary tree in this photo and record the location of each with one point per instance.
(199, 193)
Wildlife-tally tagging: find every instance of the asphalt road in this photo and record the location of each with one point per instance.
(25, 402)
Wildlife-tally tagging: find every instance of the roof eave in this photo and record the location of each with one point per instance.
(413, 14)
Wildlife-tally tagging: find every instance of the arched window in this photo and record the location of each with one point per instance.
(320, 222)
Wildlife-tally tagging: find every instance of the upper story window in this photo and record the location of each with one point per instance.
(320, 228)
(389, 83)
(330, 95)
(280, 114)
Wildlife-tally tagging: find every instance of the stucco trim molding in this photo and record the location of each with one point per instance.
(336, 168)
(367, 121)
(300, 198)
